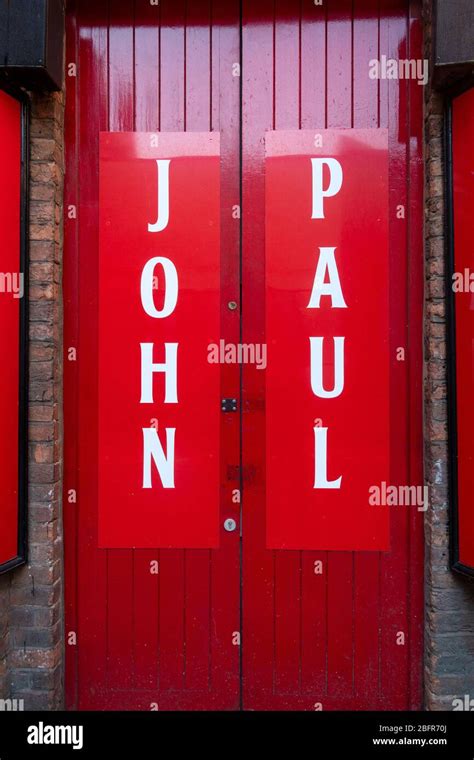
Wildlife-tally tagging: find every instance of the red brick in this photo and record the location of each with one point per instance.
(41, 250)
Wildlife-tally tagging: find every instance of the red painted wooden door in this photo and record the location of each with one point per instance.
(146, 640)
(241, 626)
(328, 640)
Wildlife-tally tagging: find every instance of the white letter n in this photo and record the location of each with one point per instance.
(152, 449)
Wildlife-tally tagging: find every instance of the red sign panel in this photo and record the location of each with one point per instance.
(463, 288)
(159, 309)
(327, 328)
(12, 352)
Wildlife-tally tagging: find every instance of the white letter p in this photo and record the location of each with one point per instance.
(335, 183)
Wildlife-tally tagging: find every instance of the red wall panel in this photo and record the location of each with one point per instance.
(12, 295)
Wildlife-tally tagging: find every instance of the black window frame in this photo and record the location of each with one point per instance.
(454, 92)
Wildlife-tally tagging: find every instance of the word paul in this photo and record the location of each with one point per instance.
(326, 284)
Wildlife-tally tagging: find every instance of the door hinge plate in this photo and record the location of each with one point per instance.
(229, 404)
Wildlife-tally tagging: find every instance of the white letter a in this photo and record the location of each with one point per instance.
(327, 262)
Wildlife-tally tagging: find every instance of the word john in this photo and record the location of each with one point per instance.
(158, 422)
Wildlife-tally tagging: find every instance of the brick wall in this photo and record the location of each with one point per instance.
(31, 607)
(449, 630)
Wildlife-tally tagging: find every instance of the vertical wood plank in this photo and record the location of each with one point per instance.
(394, 565)
(71, 338)
(340, 611)
(287, 579)
(314, 564)
(198, 563)
(415, 305)
(258, 572)
(173, 592)
(146, 588)
(366, 564)
(92, 563)
(225, 568)
(120, 563)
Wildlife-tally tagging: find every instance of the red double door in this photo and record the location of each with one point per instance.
(241, 626)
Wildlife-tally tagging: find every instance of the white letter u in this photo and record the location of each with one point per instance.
(317, 368)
